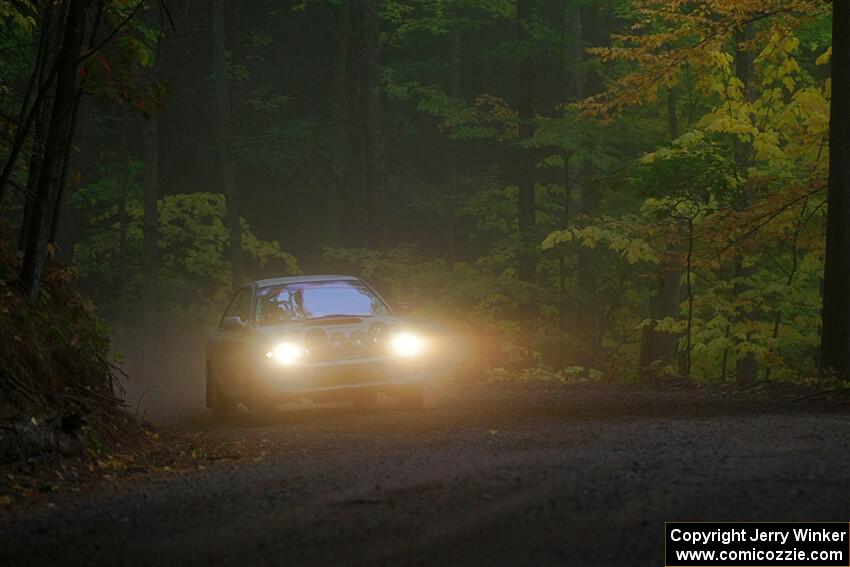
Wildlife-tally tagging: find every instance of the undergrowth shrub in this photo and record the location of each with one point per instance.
(55, 354)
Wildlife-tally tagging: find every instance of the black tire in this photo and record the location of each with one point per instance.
(365, 401)
(210, 394)
(263, 404)
(223, 409)
(411, 397)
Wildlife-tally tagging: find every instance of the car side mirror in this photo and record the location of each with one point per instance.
(403, 308)
(234, 323)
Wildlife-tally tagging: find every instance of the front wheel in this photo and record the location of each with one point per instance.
(411, 397)
(263, 403)
(223, 408)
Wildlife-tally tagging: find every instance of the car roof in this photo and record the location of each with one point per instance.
(303, 279)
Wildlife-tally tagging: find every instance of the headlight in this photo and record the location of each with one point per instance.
(407, 344)
(286, 353)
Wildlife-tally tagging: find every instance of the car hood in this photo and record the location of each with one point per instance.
(341, 324)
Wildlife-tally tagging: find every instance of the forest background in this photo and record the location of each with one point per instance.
(585, 189)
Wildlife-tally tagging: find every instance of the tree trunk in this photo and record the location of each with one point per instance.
(673, 114)
(358, 187)
(338, 206)
(585, 30)
(49, 43)
(121, 260)
(835, 340)
(150, 189)
(66, 165)
(571, 89)
(451, 145)
(746, 366)
(36, 157)
(367, 154)
(68, 220)
(58, 136)
(522, 156)
(150, 231)
(225, 141)
(660, 345)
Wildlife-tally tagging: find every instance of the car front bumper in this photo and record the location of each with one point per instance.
(377, 373)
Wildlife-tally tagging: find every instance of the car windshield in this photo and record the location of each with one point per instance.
(313, 300)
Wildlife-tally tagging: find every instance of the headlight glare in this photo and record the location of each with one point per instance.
(407, 344)
(286, 353)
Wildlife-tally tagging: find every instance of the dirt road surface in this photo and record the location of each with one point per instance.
(482, 476)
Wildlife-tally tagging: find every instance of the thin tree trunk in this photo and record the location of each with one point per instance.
(587, 31)
(340, 206)
(661, 345)
(356, 229)
(746, 366)
(68, 223)
(49, 43)
(150, 188)
(50, 176)
(563, 304)
(777, 316)
(367, 153)
(657, 345)
(225, 141)
(47, 76)
(36, 158)
(451, 145)
(673, 113)
(571, 89)
(150, 232)
(522, 156)
(724, 360)
(835, 339)
(121, 259)
(689, 331)
(377, 161)
(66, 248)
(66, 165)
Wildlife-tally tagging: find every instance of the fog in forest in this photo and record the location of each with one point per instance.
(578, 193)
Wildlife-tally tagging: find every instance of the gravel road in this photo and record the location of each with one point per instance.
(482, 476)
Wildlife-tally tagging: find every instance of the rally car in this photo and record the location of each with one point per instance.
(327, 338)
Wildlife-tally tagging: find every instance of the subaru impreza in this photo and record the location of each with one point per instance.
(327, 338)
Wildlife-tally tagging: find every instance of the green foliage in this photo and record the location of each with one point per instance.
(470, 298)
(19, 14)
(568, 375)
(732, 206)
(194, 274)
(631, 247)
(56, 354)
(438, 288)
(459, 120)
